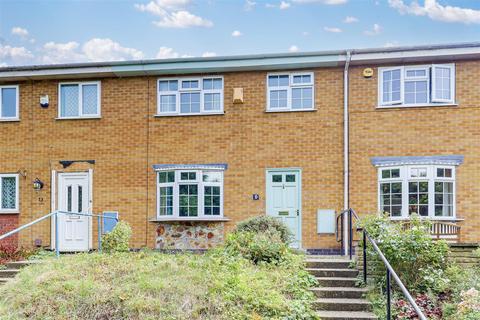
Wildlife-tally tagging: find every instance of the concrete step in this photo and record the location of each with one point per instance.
(8, 273)
(345, 273)
(338, 304)
(336, 281)
(4, 280)
(346, 315)
(20, 264)
(328, 264)
(339, 292)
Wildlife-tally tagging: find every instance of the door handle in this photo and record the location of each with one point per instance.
(298, 212)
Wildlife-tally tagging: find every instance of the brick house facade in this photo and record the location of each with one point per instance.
(243, 156)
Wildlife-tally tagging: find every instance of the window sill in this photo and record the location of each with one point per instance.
(10, 120)
(290, 110)
(426, 105)
(9, 212)
(433, 219)
(78, 118)
(189, 114)
(189, 219)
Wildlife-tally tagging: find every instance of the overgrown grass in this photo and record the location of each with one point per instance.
(148, 285)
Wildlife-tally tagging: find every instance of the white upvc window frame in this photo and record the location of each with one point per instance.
(198, 181)
(17, 103)
(405, 178)
(289, 89)
(181, 90)
(81, 115)
(17, 193)
(431, 83)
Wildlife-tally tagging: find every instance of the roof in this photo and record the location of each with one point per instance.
(276, 61)
(453, 160)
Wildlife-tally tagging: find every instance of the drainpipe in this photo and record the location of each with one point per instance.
(346, 150)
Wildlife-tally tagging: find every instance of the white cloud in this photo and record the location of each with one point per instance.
(270, 5)
(3, 64)
(436, 11)
(350, 19)
(391, 44)
(284, 5)
(249, 5)
(14, 55)
(237, 33)
(166, 53)
(293, 48)
(108, 50)
(173, 14)
(21, 32)
(332, 29)
(93, 50)
(305, 33)
(208, 54)
(376, 30)
(329, 2)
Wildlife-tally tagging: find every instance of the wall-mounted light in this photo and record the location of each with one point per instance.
(44, 101)
(37, 184)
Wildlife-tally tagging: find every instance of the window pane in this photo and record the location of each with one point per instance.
(188, 200)
(391, 198)
(9, 192)
(277, 178)
(69, 198)
(80, 200)
(168, 103)
(212, 176)
(212, 200)
(442, 83)
(69, 100)
(290, 178)
(301, 98)
(212, 101)
(90, 99)
(190, 102)
(9, 103)
(278, 99)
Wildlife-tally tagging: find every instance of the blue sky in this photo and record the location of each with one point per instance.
(43, 32)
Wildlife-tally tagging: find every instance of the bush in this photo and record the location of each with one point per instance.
(118, 239)
(266, 224)
(418, 260)
(147, 285)
(267, 247)
(10, 252)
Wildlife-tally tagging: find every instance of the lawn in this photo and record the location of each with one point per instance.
(150, 285)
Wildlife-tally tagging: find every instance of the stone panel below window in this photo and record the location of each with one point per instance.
(189, 235)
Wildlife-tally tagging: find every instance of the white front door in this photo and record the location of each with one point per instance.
(284, 200)
(73, 196)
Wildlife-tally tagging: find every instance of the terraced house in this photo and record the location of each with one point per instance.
(183, 149)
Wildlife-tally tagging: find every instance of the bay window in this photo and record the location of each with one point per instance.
(417, 85)
(190, 193)
(425, 190)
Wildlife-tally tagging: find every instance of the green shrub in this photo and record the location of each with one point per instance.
(266, 224)
(147, 285)
(118, 239)
(264, 247)
(418, 260)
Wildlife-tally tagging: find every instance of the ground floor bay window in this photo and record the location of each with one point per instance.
(417, 185)
(190, 192)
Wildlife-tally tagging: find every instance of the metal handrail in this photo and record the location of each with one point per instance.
(55, 215)
(390, 271)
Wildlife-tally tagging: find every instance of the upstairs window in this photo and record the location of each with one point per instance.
(190, 96)
(417, 85)
(290, 92)
(426, 190)
(9, 103)
(9, 193)
(191, 194)
(79, 100)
